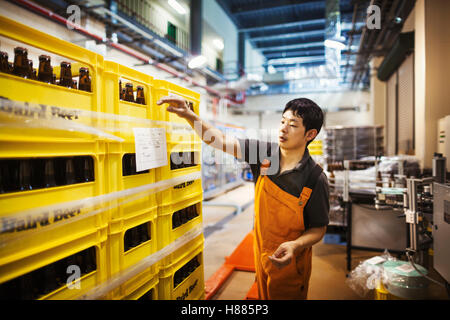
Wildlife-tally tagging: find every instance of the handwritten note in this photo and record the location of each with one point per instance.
(151, 148)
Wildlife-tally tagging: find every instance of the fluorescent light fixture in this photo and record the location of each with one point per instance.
(334, 44)
(218, 43)
(264, 87)
(254, 77)
(177, 7)
(197, 62)
(271, 69)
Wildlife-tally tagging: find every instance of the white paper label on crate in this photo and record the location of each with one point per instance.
(407, 268)
(375, 260)
(151, 148)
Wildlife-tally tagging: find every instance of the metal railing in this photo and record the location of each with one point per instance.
(148, 15)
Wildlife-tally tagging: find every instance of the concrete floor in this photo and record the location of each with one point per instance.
(224, 231)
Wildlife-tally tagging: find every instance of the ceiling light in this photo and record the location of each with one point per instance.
(271, 69)
(177, 7)
(334, 44)
(197, 62)
(218, 43)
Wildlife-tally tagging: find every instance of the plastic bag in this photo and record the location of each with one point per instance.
(368, 274)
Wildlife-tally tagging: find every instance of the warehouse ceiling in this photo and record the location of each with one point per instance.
(291, 33)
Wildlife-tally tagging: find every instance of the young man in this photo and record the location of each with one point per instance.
(291, 195)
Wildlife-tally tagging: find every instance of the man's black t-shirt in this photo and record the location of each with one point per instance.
(291, 181)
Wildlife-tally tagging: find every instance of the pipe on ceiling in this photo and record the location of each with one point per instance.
(53, 16)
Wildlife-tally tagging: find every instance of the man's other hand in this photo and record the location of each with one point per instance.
(284, 254)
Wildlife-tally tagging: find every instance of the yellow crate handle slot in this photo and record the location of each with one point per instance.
(120, 278)
(16, 114)
(86, 207)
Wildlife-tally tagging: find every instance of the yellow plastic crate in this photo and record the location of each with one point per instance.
(142, 287)
(191, 287)
(166, 172)
(163, 88)
(60, 102)
(179, 192)
(116, 181)
(165, 231)
(114, 73)
(121, 254)
(29, 227)
(28, 273)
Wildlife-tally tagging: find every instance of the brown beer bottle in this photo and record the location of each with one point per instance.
(69, 172)
(144, 233)
(140, 98)
(25, 175)
(45, 72)
(176, 220)
(90, 258)
(89, 174)
(120, 90)
(129, 92)
(20, 62)
(183, 216)
(31, 71)
(49, 174)
(65, 78)
(4, 65)
(132, 164)
(84, 82)
(74, 84)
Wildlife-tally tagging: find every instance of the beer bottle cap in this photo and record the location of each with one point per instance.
(20, 50)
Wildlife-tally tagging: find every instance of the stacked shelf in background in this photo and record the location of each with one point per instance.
(55, 177)
(348, 143)
(352, 142)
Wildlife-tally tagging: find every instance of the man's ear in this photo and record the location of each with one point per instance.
(311, 134)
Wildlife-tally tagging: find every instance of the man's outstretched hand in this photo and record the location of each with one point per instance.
(177, 105)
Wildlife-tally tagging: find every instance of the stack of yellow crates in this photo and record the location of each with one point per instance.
(62, 210)
(315, 148)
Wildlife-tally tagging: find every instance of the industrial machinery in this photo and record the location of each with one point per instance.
(426, 207)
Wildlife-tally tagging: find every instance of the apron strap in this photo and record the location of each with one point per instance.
(309, 185)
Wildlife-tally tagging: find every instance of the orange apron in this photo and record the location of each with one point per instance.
(279, 218)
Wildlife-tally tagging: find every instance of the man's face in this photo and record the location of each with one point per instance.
(291, 134)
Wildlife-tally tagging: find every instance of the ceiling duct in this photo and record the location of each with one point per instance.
(333, 35)
(401, 49)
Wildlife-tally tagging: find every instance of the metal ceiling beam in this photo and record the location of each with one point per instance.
(246, 9)
(287, 35)
(301, 53)
(296, 60)
(304, 23)
(292, 46)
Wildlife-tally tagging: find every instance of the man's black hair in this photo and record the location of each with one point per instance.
(309, 111)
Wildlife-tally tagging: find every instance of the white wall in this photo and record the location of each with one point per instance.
(216, 19)
(253, 59)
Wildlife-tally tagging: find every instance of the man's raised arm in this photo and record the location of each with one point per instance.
(208, 133)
